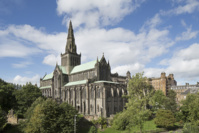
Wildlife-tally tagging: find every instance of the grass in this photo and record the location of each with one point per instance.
(149, 127)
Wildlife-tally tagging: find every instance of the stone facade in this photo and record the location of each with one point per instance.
(183, 90)
(89, 87)
(163, 83)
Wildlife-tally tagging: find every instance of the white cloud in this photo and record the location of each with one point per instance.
(11, 48)
(133, 68)
(23, 80)
(122, 46)
(184, 6)
(94, 13)
(21, 64)
(25, 40)
(184, 65)
(52, 60)
(187, 35)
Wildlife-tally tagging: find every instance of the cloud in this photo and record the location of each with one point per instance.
(21, 64)
(94, 13)
(187, 35)
(25, 40)
(184, 64)
(23, 80)
(120, 49)
(133, 68)
(52, 60)
(187, 6)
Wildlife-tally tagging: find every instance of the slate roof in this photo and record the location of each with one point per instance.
(83, 67)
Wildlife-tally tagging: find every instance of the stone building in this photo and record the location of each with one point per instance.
(183, 90)
(163, 82)
(91, 87)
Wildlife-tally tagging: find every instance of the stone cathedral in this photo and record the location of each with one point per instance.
(91, 87)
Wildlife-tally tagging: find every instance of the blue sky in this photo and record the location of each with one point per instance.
(153, 36)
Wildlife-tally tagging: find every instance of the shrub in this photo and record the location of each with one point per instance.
(165, 118)
(93, 129)
(2, 119)
(189, 128)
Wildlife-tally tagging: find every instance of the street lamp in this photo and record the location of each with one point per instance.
(75, 124)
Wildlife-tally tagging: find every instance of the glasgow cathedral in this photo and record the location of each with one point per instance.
(90, 87)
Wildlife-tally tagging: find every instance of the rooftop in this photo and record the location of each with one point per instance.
(83, 67)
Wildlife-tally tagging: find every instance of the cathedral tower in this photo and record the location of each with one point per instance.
(70, 58)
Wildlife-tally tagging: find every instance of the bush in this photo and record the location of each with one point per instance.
(120, 121)
(93, 129)
(2, 119)
(165, 118)
(101, 121)
(188, 128)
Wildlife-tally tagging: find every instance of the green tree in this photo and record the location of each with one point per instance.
(50, 117)
(170, 103)
(25, 97)
(165, 118)
(139, 97)
(189, 111)
(2, 119)
(34, 104)
(194, 111)
(93, 129)
(7, 99)
(158, 100)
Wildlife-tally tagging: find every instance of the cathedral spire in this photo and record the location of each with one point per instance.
(70, 45)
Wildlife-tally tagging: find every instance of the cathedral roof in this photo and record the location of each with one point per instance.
(84, 67)
(76, 83)
(63, 69)
(45, 87)
(48, 76)
(103, 81)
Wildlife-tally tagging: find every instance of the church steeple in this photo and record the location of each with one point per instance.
(70, 45)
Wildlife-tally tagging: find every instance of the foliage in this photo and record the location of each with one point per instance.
(120, 121)
(101, 121)
(170, 103)
(149, 127)
(3, 119)
(190, 109)
(7, 99)
(164, 118)
(34, 104)
(158, 100)
(48, 117)
(189, 128)
(139, 96)
(25, 97)
(93, 129)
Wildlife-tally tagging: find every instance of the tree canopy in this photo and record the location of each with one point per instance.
(25, 97)
(7, 99)
(139, 95)
(190, 109)
(165, 118)
(3, 119)
(49, 116)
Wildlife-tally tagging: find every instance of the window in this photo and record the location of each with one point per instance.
(98, 92)
(115, 93)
